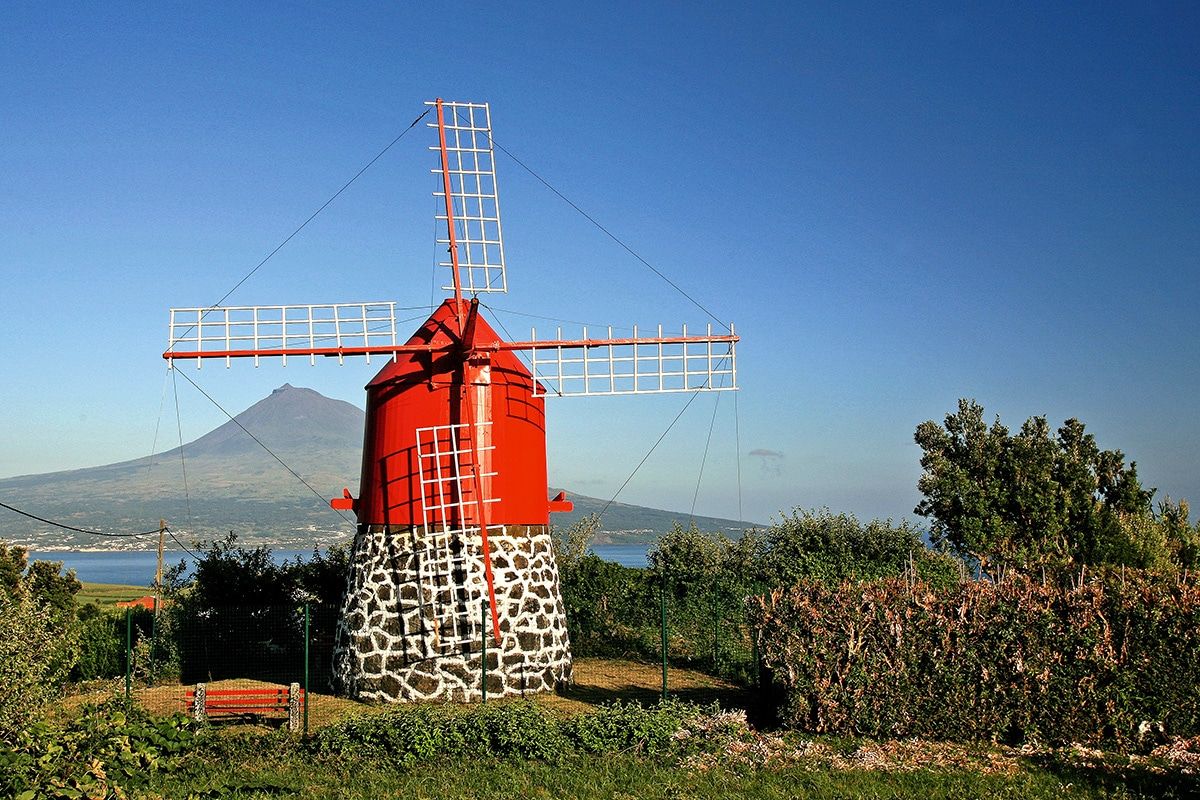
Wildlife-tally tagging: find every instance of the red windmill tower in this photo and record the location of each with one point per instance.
(453, 546)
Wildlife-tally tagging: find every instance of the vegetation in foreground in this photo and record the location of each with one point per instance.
(1001, 505)
(519, 749)
(627, 777)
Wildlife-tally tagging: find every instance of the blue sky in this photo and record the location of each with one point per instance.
(897, 207)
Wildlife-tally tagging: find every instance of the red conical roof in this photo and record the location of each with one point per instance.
(424, 390)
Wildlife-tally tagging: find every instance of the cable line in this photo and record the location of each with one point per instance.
(187, 498)
(648, 453)
(324, 205)
(695, 393)
(609, 234)
(704, 459)
(162, 401)
(65, 526)
(174, 538)
(552, 319)
(519, 353)
(737, 443)
(263, 446)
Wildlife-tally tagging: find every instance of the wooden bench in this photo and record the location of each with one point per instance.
(204, 702)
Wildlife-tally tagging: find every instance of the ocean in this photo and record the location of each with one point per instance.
(136, 567)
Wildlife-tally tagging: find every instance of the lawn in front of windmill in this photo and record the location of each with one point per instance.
(254, 763)
(266, 769)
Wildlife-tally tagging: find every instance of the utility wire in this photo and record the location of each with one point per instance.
(704, 459)
(737, 443)
(526, 360)
(651, 450)
(324, 205)
(695, 393)
(238, 285)
(181, 544)
(609, 233)
(554, 319)
(65, 526)
(162, 401)
(187, 498)
(263, 446)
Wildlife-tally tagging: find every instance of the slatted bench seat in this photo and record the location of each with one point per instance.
(254, 703)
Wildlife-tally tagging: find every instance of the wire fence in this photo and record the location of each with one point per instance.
(646, 620)
(273, 666)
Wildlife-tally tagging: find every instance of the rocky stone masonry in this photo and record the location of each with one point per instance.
(411, 622)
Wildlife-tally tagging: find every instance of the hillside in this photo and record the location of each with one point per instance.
(233, 484)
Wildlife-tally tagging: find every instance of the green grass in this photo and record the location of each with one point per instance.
(627, 776)
(105, 594)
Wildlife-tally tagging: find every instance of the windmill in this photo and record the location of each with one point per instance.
(452, 554)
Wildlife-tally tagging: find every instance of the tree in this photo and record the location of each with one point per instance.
(1031, 499)
(322, 578)
(827, 547)
(242, 614)
(51, 587)
(12, 568)
(42, 579)
(230, 575)
(37, 640)
(573, 543)
(36, 655)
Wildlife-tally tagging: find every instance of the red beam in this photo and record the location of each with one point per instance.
(330, 352)
(548, 344)
(498, 345)
(449, 198)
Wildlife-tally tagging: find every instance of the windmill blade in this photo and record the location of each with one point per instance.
(640, 364)
(450, 474)
(472, 215)
(339, 330)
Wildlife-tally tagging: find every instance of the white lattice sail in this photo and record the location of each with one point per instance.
(640, 364)
(337, 329)
(471, 170)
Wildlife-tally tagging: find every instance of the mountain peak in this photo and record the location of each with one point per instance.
(291, 418)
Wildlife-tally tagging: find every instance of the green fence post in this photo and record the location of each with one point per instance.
(754, 656)
(307, 638)
(663, 609)
(716, 628)
(483, 629)
(128, 654)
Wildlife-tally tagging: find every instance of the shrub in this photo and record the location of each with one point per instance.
(101, 644)
(404, 735)
(517, 729)
(1010, 661)
(37, 652)
(819, 545)
(616, 611)
(630, 727)
(421, 733)
(521, 729)
(105, 749)
(611, 609)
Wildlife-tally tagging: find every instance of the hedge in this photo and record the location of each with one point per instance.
(1011, 661)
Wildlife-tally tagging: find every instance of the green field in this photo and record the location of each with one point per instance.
(105, 594)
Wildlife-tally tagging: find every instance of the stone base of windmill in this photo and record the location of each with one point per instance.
(413, 622)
